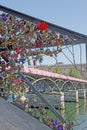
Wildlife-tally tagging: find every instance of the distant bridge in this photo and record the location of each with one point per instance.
(49, 81)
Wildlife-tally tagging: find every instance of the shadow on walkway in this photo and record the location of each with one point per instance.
(13, 118)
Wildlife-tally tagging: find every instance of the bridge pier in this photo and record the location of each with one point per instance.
(84, 93)
(77, 96)
(62, 100)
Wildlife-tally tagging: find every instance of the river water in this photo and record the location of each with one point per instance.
(77, 113)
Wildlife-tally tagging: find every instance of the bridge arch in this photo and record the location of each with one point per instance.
(59, 83)
(85, 86)
(79, 86)
(68, 85)
(51, 83)
(31, 78)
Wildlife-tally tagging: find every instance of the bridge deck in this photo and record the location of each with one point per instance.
(50, 74)
(12, 118)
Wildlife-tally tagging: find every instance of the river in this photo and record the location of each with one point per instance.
(76, 112)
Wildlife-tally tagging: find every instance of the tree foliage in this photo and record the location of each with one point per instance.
(73, 72)
(57, 70)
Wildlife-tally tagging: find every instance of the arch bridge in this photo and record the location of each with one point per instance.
(46, 81)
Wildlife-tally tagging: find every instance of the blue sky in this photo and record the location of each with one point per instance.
(67, 13)
(70, 14)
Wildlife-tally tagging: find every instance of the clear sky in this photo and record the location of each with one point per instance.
(71, 14)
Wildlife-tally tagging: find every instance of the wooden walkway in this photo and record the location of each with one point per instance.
(13, 118)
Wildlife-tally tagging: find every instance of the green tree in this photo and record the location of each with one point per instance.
(73, 72)
(57, 70)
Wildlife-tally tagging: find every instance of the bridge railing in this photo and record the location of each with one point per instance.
(51, 107)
